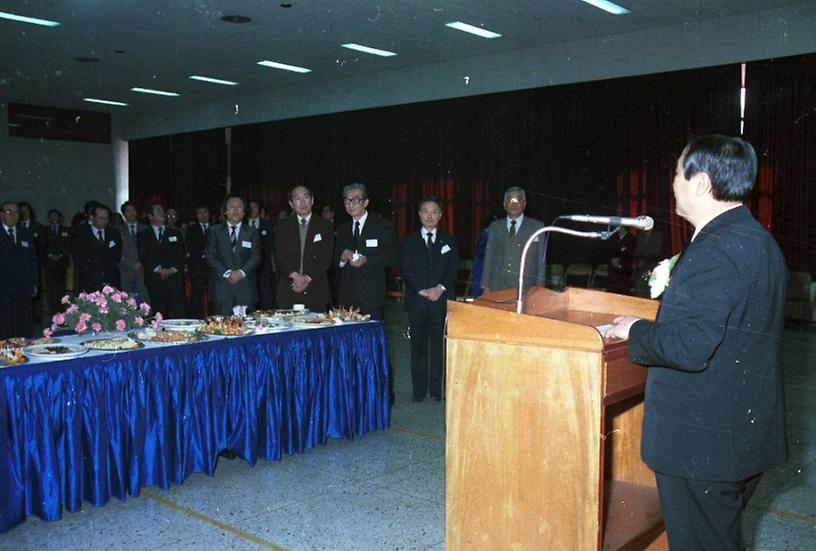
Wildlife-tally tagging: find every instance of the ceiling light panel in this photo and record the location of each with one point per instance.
(284, 66)
(609, 7)
(368, 50)
(478, 31)
(155, 92)
(214, 80)
(105, 101)
(24, 19)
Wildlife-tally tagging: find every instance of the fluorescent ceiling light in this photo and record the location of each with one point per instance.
(368, 50)
(24, 19)
(105, 101)
(478, 31)
(151, 91)
(284, 66)
(607, 6)
(214, 80)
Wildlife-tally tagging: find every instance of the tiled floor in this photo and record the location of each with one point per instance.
(386, 490)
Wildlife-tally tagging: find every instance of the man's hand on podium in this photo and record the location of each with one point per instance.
(620, 328)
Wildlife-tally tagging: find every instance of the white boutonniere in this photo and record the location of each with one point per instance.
(661, 274)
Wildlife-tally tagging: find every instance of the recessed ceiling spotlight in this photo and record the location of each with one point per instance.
(214, 80)
(87, 59)
(105, 101)
(284, 66)
(24, 19)
(286, 5)
(368, 49)
(607, 6)
(152, 91)
(236, 19)
(478, 31)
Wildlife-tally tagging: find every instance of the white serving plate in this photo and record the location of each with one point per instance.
(41, 351)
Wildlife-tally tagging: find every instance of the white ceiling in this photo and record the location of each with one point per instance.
(166, 42)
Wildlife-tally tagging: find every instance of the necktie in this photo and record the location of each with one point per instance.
(203, 228)
(356, 235)
(55, 228)
(100, 236)
(512, 229)
(133, 230)
(429, 240)
(11, 234)
(233, 238)
(161, 233)
(304, 228)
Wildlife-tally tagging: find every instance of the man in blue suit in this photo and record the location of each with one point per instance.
(18, 273)
(714, 408)
(429, 261)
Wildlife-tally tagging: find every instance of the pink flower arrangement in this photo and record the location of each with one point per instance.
(107, 310)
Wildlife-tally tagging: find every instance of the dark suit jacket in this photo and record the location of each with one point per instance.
(58, 243)
(714, 395)
(18, 262)
(503, 256)
(317, 256)
(421, 268)
(220, 258)
(197, 249)
(95, 263)
(364, 287)
(167, 253)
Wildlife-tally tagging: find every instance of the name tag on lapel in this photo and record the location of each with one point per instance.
(317, 238)
(64, 234)
(263, 232)
(172, 239)
(445, 249)
(24, 244)
(372, 243)
(111, 244)
(246, 244)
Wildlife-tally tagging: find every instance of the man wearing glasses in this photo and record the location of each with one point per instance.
(18, 274)
(365, 246)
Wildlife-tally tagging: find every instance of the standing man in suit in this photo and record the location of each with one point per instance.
(429, 262)
(131, 271)
(505, 243)
(267, 276)
(96, 250)
(366, 245)
(162, 253)
(18, 274)
(197, 261)
(233, 255)
(303, 251)
(28, 220)
(55, 250)
(714, 410)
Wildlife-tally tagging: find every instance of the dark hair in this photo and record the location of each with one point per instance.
(90, 206)
(431, 199)
(730, 163)
(202, 206)
(307, 188)
(152, 208)
(54, 210)
(4, 203)
(127, 204)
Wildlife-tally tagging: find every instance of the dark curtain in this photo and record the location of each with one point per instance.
(605, 147)
(781, 123)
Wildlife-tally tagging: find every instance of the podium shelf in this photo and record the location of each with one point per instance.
(633, 518)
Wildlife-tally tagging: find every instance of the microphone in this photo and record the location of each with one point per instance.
(641, 222)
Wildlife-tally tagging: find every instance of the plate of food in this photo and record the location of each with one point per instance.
(317, 320)
(42, 340)
(167, 336)
(280, 313)
(61, 351)
(11, 356)
(226, 326)
(349, 315)
(14, 342)
(272, 324)
(113, 343)
(181, 324)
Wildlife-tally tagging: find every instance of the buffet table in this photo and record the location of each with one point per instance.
(108, 423)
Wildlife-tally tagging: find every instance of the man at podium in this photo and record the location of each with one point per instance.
(714, 408)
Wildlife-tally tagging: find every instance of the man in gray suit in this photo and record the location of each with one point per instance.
(131, 272)
(233, 256)
(505, 243)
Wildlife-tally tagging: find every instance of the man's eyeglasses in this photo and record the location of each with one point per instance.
(353, 200)
(11, 211)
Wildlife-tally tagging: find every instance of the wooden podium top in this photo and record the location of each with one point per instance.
(567, 319)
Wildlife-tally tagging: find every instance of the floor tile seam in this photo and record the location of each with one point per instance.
(421, 434)
(429, 500)
(197, 515)
(787, 514)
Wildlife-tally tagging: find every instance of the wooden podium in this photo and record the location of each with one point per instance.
(543, 426)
